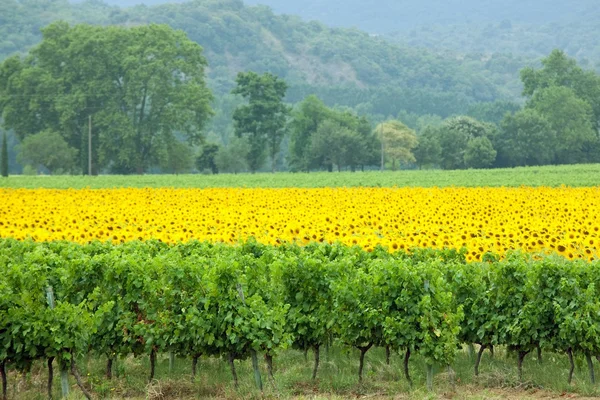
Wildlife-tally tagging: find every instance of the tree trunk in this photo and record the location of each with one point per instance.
(572, 363)
(590, 364)
(387, 355)
(109, 364)
(363, 351)
(195, 365)
(152, 364)
(316, 367)
(306, 354)
(233, 373)
(50, 376)
(491, 351)
(4, 382)
(75, 373)
(520, 359)
(406, 371)
(539, 354)
(481, 350)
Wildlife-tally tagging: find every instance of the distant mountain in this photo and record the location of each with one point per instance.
(346, 67)
(384, 16)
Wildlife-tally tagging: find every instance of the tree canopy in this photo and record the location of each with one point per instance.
(140, 86)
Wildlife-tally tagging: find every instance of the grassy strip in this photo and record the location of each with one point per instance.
(571, 175)
(337, 380)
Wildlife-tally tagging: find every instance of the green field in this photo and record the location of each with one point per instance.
(570, 175)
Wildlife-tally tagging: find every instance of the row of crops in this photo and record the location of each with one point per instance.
(59, 300)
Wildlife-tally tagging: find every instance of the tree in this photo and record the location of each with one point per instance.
(306, 118)
(560, 70)
(429, 151)
(232, 158)
(570, 118)
(206, 160)
(4, 157)
(264, 118)
(179, 158)
(479, 153)
(526, 139)
(398, 141)
(328, 145)
(455, 134)
(47, 149)
(140, 85)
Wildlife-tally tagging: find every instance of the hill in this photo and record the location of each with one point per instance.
(345, 67)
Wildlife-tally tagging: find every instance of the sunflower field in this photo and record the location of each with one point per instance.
(480, 220)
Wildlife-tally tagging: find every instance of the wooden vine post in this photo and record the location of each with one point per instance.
(64, 370)
(257, 378)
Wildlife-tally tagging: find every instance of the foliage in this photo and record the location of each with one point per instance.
(179, 158)
(47, 149)
(232, 158)
(206, 159)
(139, 86)
(199, 298)
(263, 120)
(398, 141)
(479, 153)
(4, 156)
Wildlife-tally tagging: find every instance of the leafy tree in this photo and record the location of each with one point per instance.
(4, 157)
(206, 160)
(570, 118)
(47, 149)
(428, 151)
(560, 70)
(398, 141)
(325, 145)
(455, 134)
(139, 85)
(306, 118)
(232, 158)
(179, 158)
(479, 153)
(264, 118)
(527, 138)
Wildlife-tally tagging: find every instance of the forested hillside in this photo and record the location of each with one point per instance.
(290, 94)
(343, 66)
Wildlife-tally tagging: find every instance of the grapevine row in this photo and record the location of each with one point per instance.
(59, 300)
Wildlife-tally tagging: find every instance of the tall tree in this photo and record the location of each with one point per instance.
(264, 118)
(560, 70)
(398, 142)
(570, 117)
(479, 153)
(454, 136)
(4, 156)
(206, 159)
(140, 85)
(527, 138)
(306, 118)
(429, 151)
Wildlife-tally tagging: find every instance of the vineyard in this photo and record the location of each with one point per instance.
(61, 300)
